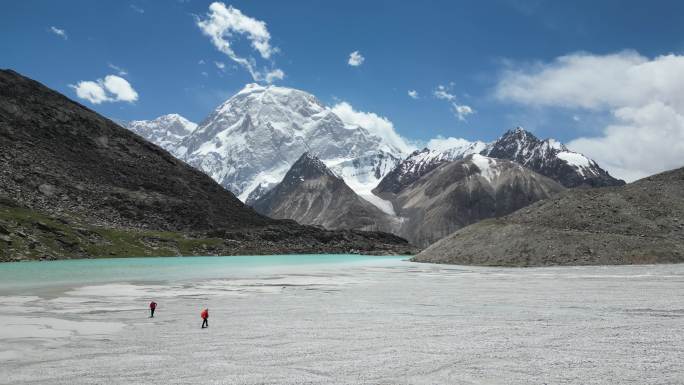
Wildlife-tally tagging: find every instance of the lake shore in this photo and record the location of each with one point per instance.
(348, 319)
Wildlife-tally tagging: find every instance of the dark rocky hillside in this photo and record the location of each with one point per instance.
(465, 191)
(642, 222)
(312, 194)
(62, 162)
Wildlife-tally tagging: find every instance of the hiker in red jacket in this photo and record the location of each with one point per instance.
(153, 305)
(205, 318)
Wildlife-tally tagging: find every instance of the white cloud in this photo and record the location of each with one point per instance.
(462, 111)
(120, 71)
(120, 88)
(137, 9)
(355, 59)
(413, 94)
(91, 91)
(110, 89)
(276, 74)
(644, 96)
(220, 65)
(375, 124)
(441, 92)
(441, 143)
(201, 61)
(59, 32)
(221, 26)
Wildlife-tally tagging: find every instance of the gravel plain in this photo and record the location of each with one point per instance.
(385, 321)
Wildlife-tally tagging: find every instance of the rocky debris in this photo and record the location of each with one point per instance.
(636, 223)
(31, 235)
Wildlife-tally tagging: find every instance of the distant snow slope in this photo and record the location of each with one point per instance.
(547, 157)
(165, 131)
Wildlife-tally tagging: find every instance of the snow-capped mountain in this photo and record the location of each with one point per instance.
(551, 158)
(311, 193)
(250, 142)
(547, 157)
(165, 131)
(453, 195)
(421, 162)
(458, 193)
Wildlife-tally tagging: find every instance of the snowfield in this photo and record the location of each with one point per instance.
(384, 321)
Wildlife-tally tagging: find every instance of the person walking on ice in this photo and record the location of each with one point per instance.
(205, 318)
(153, 305)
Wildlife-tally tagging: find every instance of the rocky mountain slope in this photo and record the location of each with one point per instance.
(453, 195)
(249, 142)
(547, 157)
(312, 194)
(642, 222)
(462, 192)
(419, 163)
(70, 179)
(165, 131)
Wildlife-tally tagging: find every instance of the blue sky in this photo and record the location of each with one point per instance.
(482, 52)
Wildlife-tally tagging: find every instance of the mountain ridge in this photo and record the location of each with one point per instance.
(75, 184)
(640, 222)
(311, 193)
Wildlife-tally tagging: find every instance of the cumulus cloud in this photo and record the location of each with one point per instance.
(644, 96)
(59, 32)
(110, 89)
(355, 59)
(460, 110)
(220, 65)
(375, 124)
(413, 94)
(91, 91)
(221, 26)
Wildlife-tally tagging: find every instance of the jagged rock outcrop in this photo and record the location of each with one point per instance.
(550, 158)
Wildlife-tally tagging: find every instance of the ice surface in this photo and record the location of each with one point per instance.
(382, 322)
